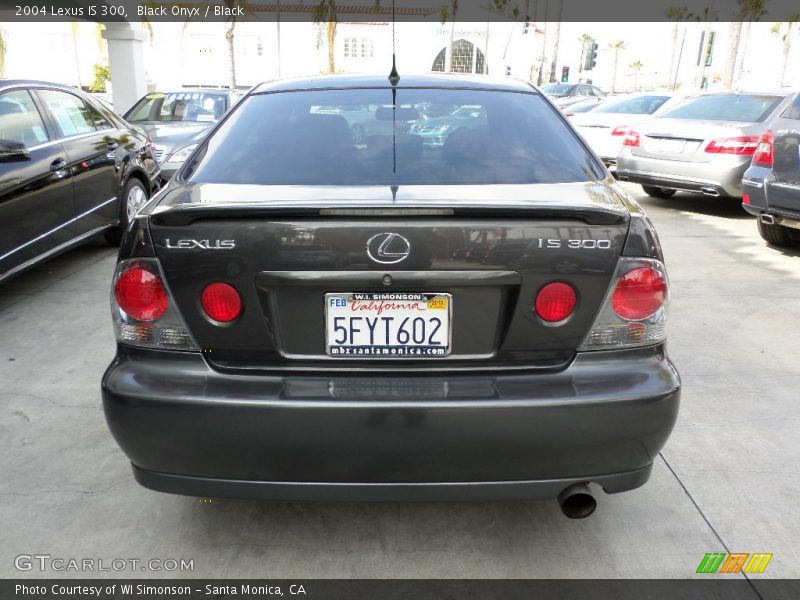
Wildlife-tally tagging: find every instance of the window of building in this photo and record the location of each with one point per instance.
(359, 47)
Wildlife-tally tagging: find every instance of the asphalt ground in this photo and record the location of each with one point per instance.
(727, 480)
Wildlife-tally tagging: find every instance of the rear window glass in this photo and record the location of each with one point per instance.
(793, 112)
(360, 137)
(642, 105)
(557, 89)
(749, 108)
(178, 106)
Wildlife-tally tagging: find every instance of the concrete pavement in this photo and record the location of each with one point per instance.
(726, 481)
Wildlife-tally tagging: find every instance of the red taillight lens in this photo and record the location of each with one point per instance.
(764, 156)
(221, 302)
(619, 131)
(555, 302)
(639, 294)
(745, 198)
(744, 145)
(631, 138)
(141, 294)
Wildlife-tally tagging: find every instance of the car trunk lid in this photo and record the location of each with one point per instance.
(488, 249)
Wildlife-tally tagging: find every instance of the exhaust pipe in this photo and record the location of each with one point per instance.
(767, 219)
(710, 191)
(577, 502)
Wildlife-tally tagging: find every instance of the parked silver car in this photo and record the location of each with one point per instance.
(606, 126)
(703, 145)
(177, 121)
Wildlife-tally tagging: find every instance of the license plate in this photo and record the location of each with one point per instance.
(667, 146)
(388, 324)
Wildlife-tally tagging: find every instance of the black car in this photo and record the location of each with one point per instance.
(391, 367)
(177, 121)
(69, 169)
(771, 186)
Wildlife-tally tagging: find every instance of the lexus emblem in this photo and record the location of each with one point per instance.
(388, 248)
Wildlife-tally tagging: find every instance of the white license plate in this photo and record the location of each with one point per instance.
(666, 146)
(388, 324)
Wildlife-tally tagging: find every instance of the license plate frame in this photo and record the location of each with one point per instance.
(665, 145)
(396, 351)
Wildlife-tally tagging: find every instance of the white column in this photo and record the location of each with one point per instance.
(126, 62)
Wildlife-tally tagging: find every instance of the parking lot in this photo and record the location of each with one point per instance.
(727, 479)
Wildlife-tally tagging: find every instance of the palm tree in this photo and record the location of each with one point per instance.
(676, 14)
(636, 66)
(749, 11)
(556, 40)
(2, 53)
(325, 18)
(616, 47)
(449, 10)
(784, 33)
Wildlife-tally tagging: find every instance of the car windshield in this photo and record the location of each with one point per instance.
(178, 106)
(358, 137)
(641, 105)
(556, 89)
(747, 108)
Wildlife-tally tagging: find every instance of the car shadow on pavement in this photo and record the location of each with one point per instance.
(723, 207)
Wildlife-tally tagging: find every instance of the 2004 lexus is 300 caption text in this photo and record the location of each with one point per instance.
(371, 289)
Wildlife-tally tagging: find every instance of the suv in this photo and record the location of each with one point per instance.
(772, 183)
(296, 316)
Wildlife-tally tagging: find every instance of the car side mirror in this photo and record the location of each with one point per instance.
(11, 151)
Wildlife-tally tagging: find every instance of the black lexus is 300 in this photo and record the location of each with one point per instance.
(299, 314)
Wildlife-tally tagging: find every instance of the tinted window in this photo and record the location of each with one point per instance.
(20, 121)
(98, 120)
(598, 92)
(356, 137)
(748, 108)
(70, 112)
(641, 105)
(178, 106)
(793, 112)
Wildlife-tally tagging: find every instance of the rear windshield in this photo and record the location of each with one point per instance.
(641, 105)
(556, 89)
(749, 108)
(178, 106)
(362, 137)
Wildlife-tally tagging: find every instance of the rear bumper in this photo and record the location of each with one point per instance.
(189, 429)
(721, 176)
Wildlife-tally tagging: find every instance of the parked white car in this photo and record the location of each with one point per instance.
(605, 126)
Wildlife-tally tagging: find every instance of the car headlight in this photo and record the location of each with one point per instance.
(179, 156)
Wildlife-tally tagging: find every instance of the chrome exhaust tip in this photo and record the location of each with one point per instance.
(767, 219)
(577, 501)
(710, 191)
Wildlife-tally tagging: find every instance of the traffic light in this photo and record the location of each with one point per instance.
(508, 71)
(564, 74)
(589, 54)
(527, 24)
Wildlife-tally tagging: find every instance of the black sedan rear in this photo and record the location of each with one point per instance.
(297, 317)
(771, 185)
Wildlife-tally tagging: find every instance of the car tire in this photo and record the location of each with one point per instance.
(134, 196)
(777, 235)
(657, 192)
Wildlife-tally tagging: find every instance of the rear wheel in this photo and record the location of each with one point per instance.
(657, 192)
(134, 196)
(777, 235)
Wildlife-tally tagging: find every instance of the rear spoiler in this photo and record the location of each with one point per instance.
(185, 214)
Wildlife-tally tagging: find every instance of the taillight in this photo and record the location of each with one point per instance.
(631, 139)
(639, 294)
(744, 145)
(764, 155)
(555, 302)
(618, 131)
(221, 302)
(745, 198)
(634, 312)
(141, 294)
(143, 310)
